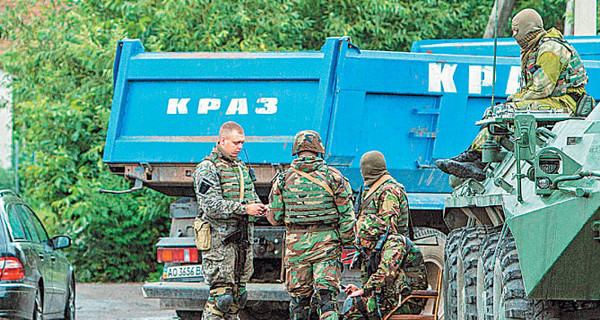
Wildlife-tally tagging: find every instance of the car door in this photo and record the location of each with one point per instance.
(43, 251)
(58, 263)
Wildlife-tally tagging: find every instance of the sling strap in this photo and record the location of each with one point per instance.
(371, 193)
(315, 180)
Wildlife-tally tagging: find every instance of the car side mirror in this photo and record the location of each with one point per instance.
(60, 242)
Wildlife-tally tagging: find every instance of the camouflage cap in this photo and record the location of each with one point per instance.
(307, 140)
(370, 228)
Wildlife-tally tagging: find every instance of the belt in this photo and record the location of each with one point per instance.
(310, 228)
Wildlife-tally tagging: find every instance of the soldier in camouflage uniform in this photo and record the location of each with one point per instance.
(313, 200)
(226, 197)
(392, 273)
(382, 196)
(552, 77)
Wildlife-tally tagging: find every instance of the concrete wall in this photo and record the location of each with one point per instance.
(5, 122)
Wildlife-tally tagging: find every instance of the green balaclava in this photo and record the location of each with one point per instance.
(372, 167)
(527, 25)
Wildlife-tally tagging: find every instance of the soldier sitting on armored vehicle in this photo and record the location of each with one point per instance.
(393, 268)
(552, 78)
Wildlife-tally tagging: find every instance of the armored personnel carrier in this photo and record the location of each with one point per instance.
(525, 242)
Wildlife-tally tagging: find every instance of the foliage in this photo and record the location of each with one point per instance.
(61, 57)
(7, 179)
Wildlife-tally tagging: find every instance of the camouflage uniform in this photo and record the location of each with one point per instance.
(217, 185)
(401, 268)
(390, 204)
(552, 75)
(317, 225)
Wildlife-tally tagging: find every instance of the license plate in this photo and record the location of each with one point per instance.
(182, 272)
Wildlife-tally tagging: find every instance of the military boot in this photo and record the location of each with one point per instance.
(465, 157)
(465, 170)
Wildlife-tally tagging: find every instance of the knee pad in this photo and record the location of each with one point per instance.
(224, 302)
(222, 297)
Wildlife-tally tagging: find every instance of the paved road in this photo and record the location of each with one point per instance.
(121, 301)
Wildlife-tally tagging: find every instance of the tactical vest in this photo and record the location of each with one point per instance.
(574, 75)
(229, 175)
(307, 203)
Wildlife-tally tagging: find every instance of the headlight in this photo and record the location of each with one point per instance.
(543, 183)
(549, 163)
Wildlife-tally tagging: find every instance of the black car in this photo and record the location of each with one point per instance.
(36, 280)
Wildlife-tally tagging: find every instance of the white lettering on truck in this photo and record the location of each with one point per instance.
(177, 106)
(441, 76)
(208, 104)
(235, 106)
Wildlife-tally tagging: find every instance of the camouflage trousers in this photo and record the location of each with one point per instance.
(564, 103)
(227, 296)
(317, 282)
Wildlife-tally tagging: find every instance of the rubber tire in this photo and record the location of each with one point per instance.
(70, 303)
(468, 258)
(513, 300)
(38, 306)
(449, 282)
(189, 315)
(434, 262)
(487, 258)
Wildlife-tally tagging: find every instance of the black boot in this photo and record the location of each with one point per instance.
(468, 156)
(464, 157)
(464, 169)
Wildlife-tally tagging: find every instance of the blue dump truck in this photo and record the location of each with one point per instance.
(413, 107)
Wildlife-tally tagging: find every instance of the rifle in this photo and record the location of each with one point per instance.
(375, 257)
(358, 201)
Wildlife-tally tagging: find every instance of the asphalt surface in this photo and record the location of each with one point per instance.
(117, 301)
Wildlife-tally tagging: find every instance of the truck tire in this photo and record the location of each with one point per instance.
(449, 283)
(431, 242)
(466, 273)
(509, 300)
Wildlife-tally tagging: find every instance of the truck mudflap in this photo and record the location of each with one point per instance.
(199, 291)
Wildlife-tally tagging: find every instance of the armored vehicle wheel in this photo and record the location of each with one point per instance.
(466, 275)
(449, 284)
(565, 310)
(485, 277)
(508, 291)
(432, 243)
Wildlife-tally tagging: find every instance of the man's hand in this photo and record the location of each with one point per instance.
(350, 288)
(356, 293)
(256, 209)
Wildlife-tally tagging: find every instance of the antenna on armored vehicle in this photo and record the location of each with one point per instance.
(495, 47)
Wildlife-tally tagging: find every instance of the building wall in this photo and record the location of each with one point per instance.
(5, 122)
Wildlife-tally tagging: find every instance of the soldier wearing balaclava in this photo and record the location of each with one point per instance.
(552, 75)
(383, 196)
